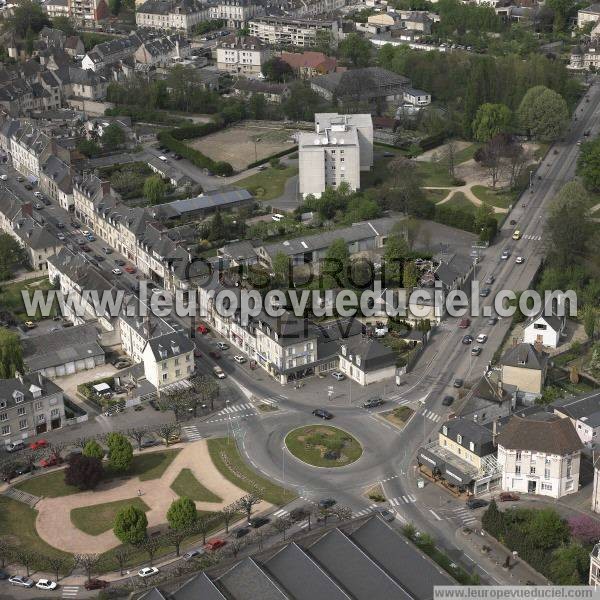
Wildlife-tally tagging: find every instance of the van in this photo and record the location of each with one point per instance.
(219, 373)
(163, 158)
(15, 446)
(277, 217)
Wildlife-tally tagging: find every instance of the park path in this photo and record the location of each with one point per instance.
(467, 191)
(54, 525)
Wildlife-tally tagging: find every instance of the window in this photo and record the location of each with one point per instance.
(569, 486)
(54, 412)
(546, 486)
(471, 446)
(187, 357)
(189, 369)
(445, 430)
(21, 411)
(518, 470)
(569, 461)
(177, 372)
(6, 430)
(164, 366)
(41, 418)
(518, 456)
(38, 405)
(23, 424)
(546, 473)
(165, 376)
(459, 438)
(532, 470)
(176, 361)
(4, 417)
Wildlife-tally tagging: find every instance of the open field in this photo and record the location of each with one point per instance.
(11, 299)
(187, 485)
(241, 145)
(98, 518)
(268, 184)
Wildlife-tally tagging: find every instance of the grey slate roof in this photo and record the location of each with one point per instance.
(470, 431)
(525, 356)
(170, 345)
(373, 354)
(199, 587)
(210, 201)
(369, 82)
(585, 408)
(60, 347)
(249, 582)
(31, 382)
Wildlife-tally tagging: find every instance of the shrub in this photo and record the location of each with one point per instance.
(182, 514)
(94, 450)
(120, 452)
(84, 472)
(130, 525)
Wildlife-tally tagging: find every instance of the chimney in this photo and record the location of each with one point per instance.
(515, 342)
(494, 432)
(105, 187)
(538, 346)
(40, 379)
(19, 376)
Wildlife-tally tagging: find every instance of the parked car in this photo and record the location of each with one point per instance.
(214, 544)
(492, 320)
(107, 250)
(520, 260)
(516, 235)
(476, 350)
(194, 553)
(474, 503)
(482, 338)
(30, 324)
(327, 502)
(467, 339)
(464, 323)
(386, 515)
(338, 375)
(151, 443)
(241, 532)
(509, 497)
(38, 444)
(203, 329)
(373, 402)
(130, 269)
(258, 522)
(119, 262)
(46, 584)
(21, 581)
(448, 400)
(485, 292)
(239, 359)
(489, 280)
(15, 446)
(219, 373)
(458, 382)
(117, 271)
(147, 571)
(96, 584)
(60, 236)
(322, 414)
(222, 346)
(3, 575)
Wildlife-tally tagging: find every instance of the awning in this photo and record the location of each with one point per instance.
(456, 477)
(430, 460)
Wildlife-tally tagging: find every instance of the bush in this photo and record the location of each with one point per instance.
(84, 472)
(131, 525)
(182, 514)
(120, 452)
(94, 450)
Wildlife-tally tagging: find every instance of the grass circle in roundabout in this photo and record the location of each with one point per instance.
(323, 446)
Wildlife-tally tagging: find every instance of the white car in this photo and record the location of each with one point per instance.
(222, 346)
(4, 177)
(277, 217)
(37, 194)
(61, 236)
(147, 571)
(117, 271)
(21, 581)
(337, 375)
(85, 232)
(46, 584)
(520, 260)
(482, 338)
(239, 359)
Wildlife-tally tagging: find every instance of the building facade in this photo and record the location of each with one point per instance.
(241, 55)
(283, 31)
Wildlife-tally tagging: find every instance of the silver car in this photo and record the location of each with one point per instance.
(21, 581)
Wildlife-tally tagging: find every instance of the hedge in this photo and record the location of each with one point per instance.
(433, 141)
(262, 161)
(141, 114)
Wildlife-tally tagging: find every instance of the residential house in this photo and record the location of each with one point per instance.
(236, 13)
(29, 405)
(74, 46)
(203, 205)
(64, 352)
(524, 369)
(591, 14)
(584, 413)
(56, 182)
(309, 64)
(169, 172)
(168, 360)
(241, 55)
(114, 51)
(271, 91)
(416, 97)
(539, 455)
(487, 401)
(285, 31)
(29, 150)
(56, 8)
(462, 458)
(161, 52)
(182, 15)
(88, 12)
(365, 360)
(545, 328)
(594, 579)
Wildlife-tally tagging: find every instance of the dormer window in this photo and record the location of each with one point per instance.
(18, 396)
(445, 430)
(459, 438)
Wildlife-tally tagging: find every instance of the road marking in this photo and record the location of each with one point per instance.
(191, 433)
(69, 591)
(280, 513)
(435, 515)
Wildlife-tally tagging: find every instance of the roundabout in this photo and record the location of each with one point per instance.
(323, 446)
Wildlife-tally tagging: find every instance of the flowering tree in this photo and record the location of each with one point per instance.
(584, 528)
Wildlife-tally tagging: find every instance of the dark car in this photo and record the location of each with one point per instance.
(258, 522)
(492, 320)
(99, 257)
(509, 497)
(96, 584)
(3, 575)
(86, 248)
(322, 414)
(485, 292)
(150, 443)
(464, 323)
(74, 223)
(60, 224)
(468, 339)
(474, 503)
(327, 503)
(214, 354)
(119, 262)
(28, 186)
(476, 351)
(373, 402)
(458, 382)
(241, 532)
(448, 400)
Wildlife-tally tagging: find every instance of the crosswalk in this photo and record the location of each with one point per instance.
(365, 511)
(236, 411)
(281, 513)
(272, 400)
(235, 408)
(70, 591)
(429, 414)
(529, 236)
(406, 499)
(191, 433)
(397, 398)
(465, 516)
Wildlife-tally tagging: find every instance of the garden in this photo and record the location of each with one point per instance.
(323, 446)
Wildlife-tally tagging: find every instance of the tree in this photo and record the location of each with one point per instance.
(356, 50)
(11, 354)
(570, 565)
(28, 558)
(167, 431)
(120, 452)
(302, 102)
(88, 562)
(343, 513)
(137, 434)
(584, 528)
(56, 564)
(300, 514)
(94, 450)
(405, 185)
(7, 551)
(282, 524)
(178, 401)
(27, 16)
(247, 502)
(492, 520)
(396, 250)
(449, 157)
(490, 156)
(410, 275)
(113, 137)
(588, 165)
(88, 148)
(182, 514)
(114, 7)
(84, 472)
(65, 25)
(12, 256)
(155, 189)
(336, 265)
(150, 545)
(517, 160)
(282, 270)
(203, 524)
(228, 513)
(207, 388)
(7, 469)
(590, 320)
(543, 113)
(122, 555)
(131, 525)
(81, 442)
(175, 537)
(490, 120)
(276, 69)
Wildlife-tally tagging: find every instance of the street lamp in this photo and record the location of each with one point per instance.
(283, 463)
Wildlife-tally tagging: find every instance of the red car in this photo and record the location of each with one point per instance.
(51, 461)
(86, 248)
(464, 323)
(38, 444)
(508, 497)
(203, 329)
(96, 584)
(214, 354)
(214, 544)
(197, 353)
(130, 269)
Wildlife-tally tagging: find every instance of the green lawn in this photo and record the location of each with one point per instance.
(186, 484)
(99, 518)
(499, 198)
(459, 200)
(48, 485)
(152, 465)
(11, 299)
(268, 184)
(311, 443)
(435, 195)
(434, 174)
(466, 153)
(226, 457)
(17, 525)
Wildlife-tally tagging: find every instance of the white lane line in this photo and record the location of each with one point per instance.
(435, 515)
